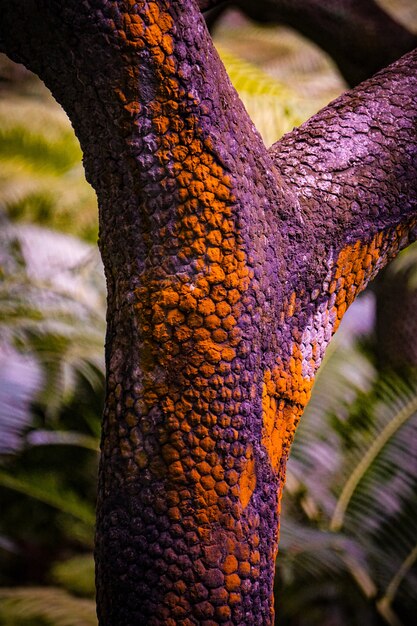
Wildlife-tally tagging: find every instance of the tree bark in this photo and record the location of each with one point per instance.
(357, 34)
(228, 269)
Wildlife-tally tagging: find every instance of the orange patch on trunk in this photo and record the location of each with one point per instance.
(247, 482)
(285, 393)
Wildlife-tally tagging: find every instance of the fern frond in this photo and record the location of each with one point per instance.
(369, 466)
(367, 457)
(51, 606)
(41, 175)
(20, 379)
(273, 108)
(52, 303)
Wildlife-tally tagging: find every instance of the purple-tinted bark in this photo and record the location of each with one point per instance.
(228, 269)
(357, 34)
(354, 164)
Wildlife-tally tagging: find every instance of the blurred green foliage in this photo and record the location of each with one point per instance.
(41, 176)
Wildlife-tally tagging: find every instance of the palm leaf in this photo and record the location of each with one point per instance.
(362, 475)
(399, 576)
(35, 153)
(406, 263)
(287, 58)
(320, 552)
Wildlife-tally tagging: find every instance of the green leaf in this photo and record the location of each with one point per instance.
(76, 575)
(47, 489)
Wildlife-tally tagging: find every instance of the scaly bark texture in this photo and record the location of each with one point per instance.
(228, 269)
(357, 34)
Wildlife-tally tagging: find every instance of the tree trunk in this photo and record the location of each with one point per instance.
(228, 269)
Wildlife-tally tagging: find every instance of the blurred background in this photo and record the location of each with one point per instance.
(348, 551)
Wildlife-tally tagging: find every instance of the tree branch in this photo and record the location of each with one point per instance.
(353, 167)
(358, 34)
(206, 5)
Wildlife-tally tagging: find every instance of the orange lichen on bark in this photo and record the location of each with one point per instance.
(285, 393)
(272, 427)
(247, 481)
(356, 264)
(187, 432)
(189, 320)
(287, 387)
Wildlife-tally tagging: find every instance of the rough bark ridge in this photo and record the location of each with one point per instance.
(228, 269)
